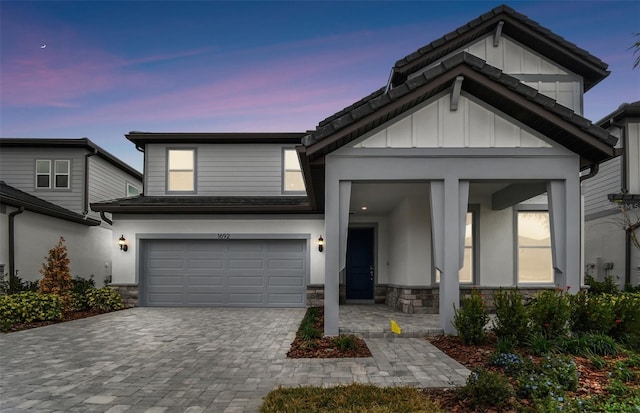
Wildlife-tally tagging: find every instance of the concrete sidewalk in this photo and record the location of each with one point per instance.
(191, 360)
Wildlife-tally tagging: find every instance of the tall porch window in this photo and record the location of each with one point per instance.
(534, 248)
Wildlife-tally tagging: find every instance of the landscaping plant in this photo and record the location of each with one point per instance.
(512, 321)
(549, 312)
(56, 277)
(470, 320)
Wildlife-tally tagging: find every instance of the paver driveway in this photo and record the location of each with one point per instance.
(189, 360)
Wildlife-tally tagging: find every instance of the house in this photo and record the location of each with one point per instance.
(45, 191)
(463, 170)
(609, 233)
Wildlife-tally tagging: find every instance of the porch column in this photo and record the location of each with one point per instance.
(564, 220)
(449, 200)
(337, 199)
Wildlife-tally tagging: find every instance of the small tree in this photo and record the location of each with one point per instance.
(55, 271)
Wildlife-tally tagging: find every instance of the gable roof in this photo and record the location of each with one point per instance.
(82, 143)
(624, 111)
(16, 198)
(488, 83)
(517, 26)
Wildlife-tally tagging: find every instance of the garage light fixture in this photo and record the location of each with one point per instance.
(320, 244)
(122, 241)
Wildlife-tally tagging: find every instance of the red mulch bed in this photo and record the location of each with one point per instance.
(67, 316)
(325, 347)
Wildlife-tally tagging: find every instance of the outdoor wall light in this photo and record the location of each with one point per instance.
(320, 244)
(122, 241)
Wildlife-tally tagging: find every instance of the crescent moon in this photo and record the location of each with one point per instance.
(43, 46)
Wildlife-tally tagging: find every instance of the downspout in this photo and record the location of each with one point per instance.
(12, 247)
(105, 219)
(85, 194)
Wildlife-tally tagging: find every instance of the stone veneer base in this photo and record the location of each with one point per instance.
(129, 294)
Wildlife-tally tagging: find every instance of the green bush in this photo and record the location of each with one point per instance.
(79, 293)
(471, 319)
(511, 319)
(591, 313)
(626, 308)
(347, 342)
(549, 312)
(552, 377)
(27, 307)
(487, 389)
(309, 332)
(608, 286)
(538, 344)
(12, 284)
(104, 299)
(589, 344)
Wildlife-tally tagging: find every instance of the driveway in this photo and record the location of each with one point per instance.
(190, 360)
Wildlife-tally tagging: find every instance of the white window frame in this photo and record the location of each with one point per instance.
(128, 188)
(192, 170)
(517, 247)
(56, 174)
(285, 170)
(48, 174)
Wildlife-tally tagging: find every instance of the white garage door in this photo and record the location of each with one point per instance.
(241, 273)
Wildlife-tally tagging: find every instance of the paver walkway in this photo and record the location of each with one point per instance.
(190, 360)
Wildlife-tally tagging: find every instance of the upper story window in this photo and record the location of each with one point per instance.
(54, 174)
(534, 248)
(292, 173)
(181, 170)
(132, 190)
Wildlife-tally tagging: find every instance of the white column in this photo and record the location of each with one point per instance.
(565, 222)
(337, 198)
(449, 199)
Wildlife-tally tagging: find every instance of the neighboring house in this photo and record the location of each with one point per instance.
(47, 186)
(434, 183)
(609, 247)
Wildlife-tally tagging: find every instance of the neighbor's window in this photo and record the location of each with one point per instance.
(466, 273)
(61, 174)
(43, 174)
(132, 190)
(62, 169)
(534, 247)
(292, 181)
(181, 164)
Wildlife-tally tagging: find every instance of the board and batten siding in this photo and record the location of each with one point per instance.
(108, 182)
(595, 190)
(519, 61)
(471, 126)
(18, 165)
(221, 169)
(633, 150)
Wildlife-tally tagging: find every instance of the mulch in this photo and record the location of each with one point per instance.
(67, 316)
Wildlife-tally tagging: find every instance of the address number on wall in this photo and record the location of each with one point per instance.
(224, 236)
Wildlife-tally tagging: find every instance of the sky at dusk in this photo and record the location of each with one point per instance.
(212, 66)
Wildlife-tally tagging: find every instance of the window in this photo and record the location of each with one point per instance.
(181, 164)
(43, 174)
(292, 181)
(132, 190)
(61, 174)
(534, 247)
(466, 273)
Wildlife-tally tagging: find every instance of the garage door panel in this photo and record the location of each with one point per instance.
(253, 273)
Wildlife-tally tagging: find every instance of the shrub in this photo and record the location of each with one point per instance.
(539, 344)
(487, 389)
(309, 332)
(347, 342)
(608, 286)
(589, 344)
(56, 277)
(626, 308)
(510, 362)
(552, 377)
(27, 307)
(549, 312)
(591, 313)
(13, 284)
(471, 319)
(511, 316)
(104, 299)
(79, 292)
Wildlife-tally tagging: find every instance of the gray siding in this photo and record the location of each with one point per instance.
(595, 189)
(222, 169)
(107, 182)
(17, 168)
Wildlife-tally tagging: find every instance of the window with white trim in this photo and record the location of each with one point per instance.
(132, 190)
(58, 177)
(534, 248)
(181, 170)
(292, 172)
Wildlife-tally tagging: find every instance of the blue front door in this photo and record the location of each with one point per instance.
(360, 275)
